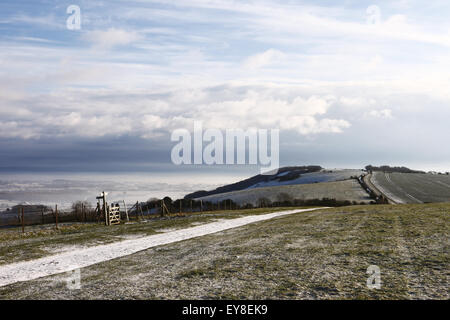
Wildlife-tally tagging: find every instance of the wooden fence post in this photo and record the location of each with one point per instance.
(42, 214)
(23, 222)
(56, 216)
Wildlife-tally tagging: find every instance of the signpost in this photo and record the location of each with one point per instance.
(112, 214)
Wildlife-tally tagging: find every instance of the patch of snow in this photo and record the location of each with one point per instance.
(84, 257)
(311, 177)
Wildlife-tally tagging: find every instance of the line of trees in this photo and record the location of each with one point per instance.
(390, 169)
(154, 206)
(81, 211)
(377, 199)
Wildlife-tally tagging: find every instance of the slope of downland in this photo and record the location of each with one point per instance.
(349, 190)
(413, 187)
(313, 255)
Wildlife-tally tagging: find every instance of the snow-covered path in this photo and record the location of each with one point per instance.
(67, 261)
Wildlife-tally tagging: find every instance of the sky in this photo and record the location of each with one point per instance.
(347, 83)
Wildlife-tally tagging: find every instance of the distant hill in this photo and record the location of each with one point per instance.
(27, 208)
(283, 174)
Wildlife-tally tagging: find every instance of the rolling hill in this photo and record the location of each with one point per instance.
(412, 187)
(397, 185)
(305, 183)
(284, 174)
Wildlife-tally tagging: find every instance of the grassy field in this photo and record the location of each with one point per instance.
(349, 190)
(413, 187)
(312, 255)
(43, 240)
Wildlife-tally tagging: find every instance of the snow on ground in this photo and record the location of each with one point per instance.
(80, 258)
(324, 175)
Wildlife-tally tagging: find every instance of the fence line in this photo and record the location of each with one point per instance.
(27, 215)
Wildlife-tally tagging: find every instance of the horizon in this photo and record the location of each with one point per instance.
(65, 188)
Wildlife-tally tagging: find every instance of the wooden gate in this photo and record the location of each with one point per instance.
(114, 214)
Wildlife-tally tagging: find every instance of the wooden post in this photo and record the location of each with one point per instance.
(23, 222)
(191, 206)
(105, 208)
(42, 214)
(108, 223)
(201, 205)
(56, 216)
(98, 211)
(180, 208)
(164, 208)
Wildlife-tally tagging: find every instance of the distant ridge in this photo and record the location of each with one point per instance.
(283, 174)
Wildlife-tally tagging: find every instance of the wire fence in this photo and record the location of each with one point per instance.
(30, 215)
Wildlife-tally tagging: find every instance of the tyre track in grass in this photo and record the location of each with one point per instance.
(68, 261)
(388, 178)
(376, 188)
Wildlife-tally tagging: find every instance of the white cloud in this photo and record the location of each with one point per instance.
(263, 59)
(384, 113)
(111, 38)
(327, 71)
(14, 129)
(93, 113)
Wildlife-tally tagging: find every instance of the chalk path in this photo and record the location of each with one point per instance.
(67, 261)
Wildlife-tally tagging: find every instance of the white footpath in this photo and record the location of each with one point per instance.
(68, 261)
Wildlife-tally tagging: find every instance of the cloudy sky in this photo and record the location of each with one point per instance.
(348, 83)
